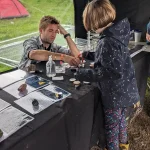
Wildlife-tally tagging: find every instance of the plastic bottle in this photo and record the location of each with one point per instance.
(148, 31)
(50, 67)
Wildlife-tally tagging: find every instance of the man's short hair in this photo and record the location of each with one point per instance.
(98, 14)
(46, 20)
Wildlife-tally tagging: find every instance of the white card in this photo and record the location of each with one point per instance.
(60, 69)
(58, 78)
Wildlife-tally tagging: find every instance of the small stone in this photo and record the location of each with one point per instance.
(35, 103)
(59, 95)
(22, 88)
(41, 83)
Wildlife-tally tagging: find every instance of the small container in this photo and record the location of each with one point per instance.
(72, 79)
(137, 35)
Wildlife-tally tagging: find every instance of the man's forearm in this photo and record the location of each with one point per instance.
(43, 55)
(72, 46)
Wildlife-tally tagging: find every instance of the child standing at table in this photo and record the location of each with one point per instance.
(113, 70)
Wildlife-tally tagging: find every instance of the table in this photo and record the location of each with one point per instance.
(66, 125)
(72, 124)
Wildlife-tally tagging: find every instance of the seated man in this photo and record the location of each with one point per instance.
(40, 48)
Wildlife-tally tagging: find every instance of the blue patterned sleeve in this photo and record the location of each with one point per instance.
(108, 64)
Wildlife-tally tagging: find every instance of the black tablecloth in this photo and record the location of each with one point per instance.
(75, 123)
(66, 125)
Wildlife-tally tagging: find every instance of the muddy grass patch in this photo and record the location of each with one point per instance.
(139, 129)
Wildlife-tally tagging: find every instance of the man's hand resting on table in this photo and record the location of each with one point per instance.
(73, 61)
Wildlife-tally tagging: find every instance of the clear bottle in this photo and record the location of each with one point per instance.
(148, 30)
(50, 67)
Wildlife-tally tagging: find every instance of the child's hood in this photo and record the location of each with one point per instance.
(119, 30)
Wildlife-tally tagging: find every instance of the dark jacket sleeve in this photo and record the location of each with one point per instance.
(88, 55)
(108, 64)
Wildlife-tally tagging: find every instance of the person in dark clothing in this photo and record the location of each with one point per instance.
(113, 70)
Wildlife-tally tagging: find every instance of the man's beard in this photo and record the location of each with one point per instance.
(46, 41)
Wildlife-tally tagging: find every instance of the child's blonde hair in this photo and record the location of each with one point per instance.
(98, 14)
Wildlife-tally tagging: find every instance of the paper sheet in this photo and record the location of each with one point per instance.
(45, 97)
(13, 89)
(34, 82)
(60, 69)
(11, 77)
(11, 120)
(20, 74)
(26, 102)
(37, 82)
(50, 91)
(3, 104)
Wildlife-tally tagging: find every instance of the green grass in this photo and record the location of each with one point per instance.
(63, 10)
(4, 68)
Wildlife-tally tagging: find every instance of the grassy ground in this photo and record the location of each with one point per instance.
(4, 68)
(63, 10)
